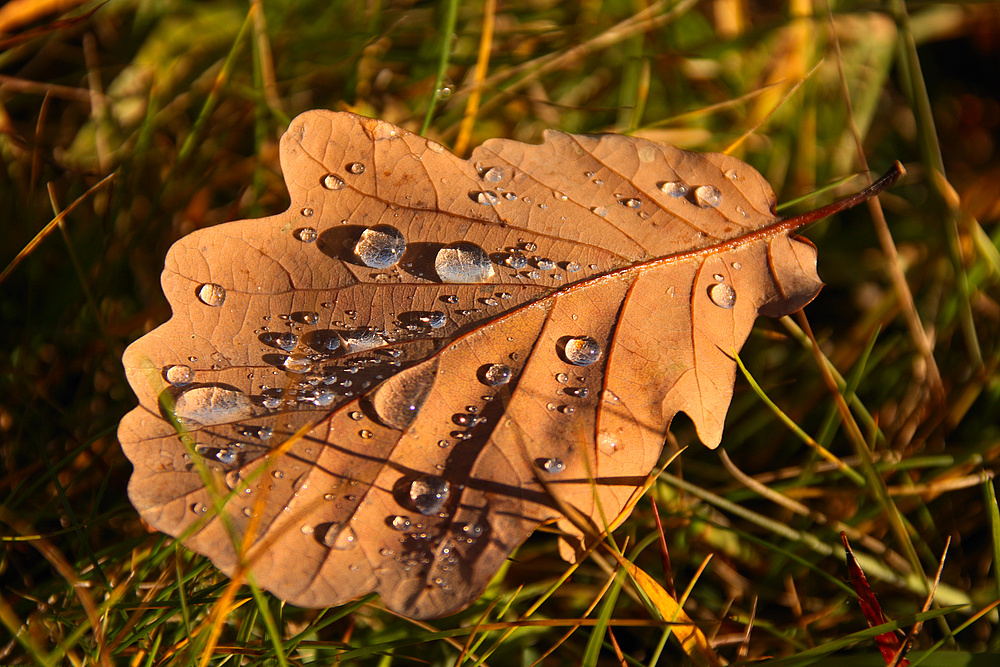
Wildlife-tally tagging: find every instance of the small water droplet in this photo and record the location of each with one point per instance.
(495, 375)
(737, 266)
(719, 277)
(516, 261)
(707, 196)
(306, 235)
(265, 432)
(485, 197)
(632, 202)
(307, 212)
(212, 294)
(380, 247)
(366, 434)
(545, 264)
(562, 378)
(577, 392)
(356, 168)
(282, 341)
(722, 295)
(296, 364)
(401, 523)
(560, 196)
(582, 351)
(199, 508)
(607, 443)
(310, 317)
(278, 474)
(553, 465)
(333, 182)
(356, 416)
(599, 211)
(179, 375)
(493, 175)
(572, 267)
(534, 275)
(732, 175)
(463, 262)
(444, 444)
(340, 536)
(429, 494)
(674, 188)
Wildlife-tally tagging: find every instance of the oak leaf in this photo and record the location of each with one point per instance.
(390, 385)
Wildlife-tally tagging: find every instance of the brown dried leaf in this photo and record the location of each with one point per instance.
(441, 422)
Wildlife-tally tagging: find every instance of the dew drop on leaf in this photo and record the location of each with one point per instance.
(306, 234)
(307, 212)
(599, 211)
(363, 339)
(463, 262)
(333, 182)
(493, 175)
(211, 405)
(398, 400)
(582, 351)
(401, 523)
(212, 294)
(722, 295)
(380, 247)
(296, 364)
(707, 196)
(178, 375)
(553, 465)
(340, 536)
(496, 375)
(429, 494)
(545, 264)
(632, 202)
(485, 197)
(516, 261)
(674, 188)
(356, 168)
(282, 341)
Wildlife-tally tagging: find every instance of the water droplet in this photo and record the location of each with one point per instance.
(282, 341)
(356, 416)
(493, 175)
(306, 235)
(719, 277)
(582, 351)
(572, 267)
(265, 433)
(199, 508)
(516, 261)
(211, 294)
(228, 455)
(398, 400)
(674, 188)
(560, 196)
(562, 378)
(356, 168)
(553, 465)
(607, 443)
(485, 197)
(722, 295)
(463, 262)
(296, 364)
(707, 196)
(380, 247)
(179, 375)
(632, 202)
(307, 212)
(567, 409)
(577, 392)
(444, 444)
(737, 266)
(363, 338)
(309, 317)
(278, 474)
(212, 405)
(599, 211)
(401, 523)
(435, 319)
(323, 398)
(333, 182)
(429, 494)
(545, 264)
(534, 275)
(340, 536)
(732, 175)
(366, 434)
(496, 375)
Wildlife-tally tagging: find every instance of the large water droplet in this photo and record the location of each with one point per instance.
(429, 494)
(398, 400)
(340, 536)
(211, 294)
(493, 175)
(211, 405)
(496, 375)
(553, 465)
(380, 246)
(582, 351)
(296, 364)
(463, 262)
(707, 196)
(674, 188)
(365, 338)
(333, 182)
(179, 375)
(306, 234)
(722, 295)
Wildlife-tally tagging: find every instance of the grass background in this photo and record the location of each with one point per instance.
(184, 102)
